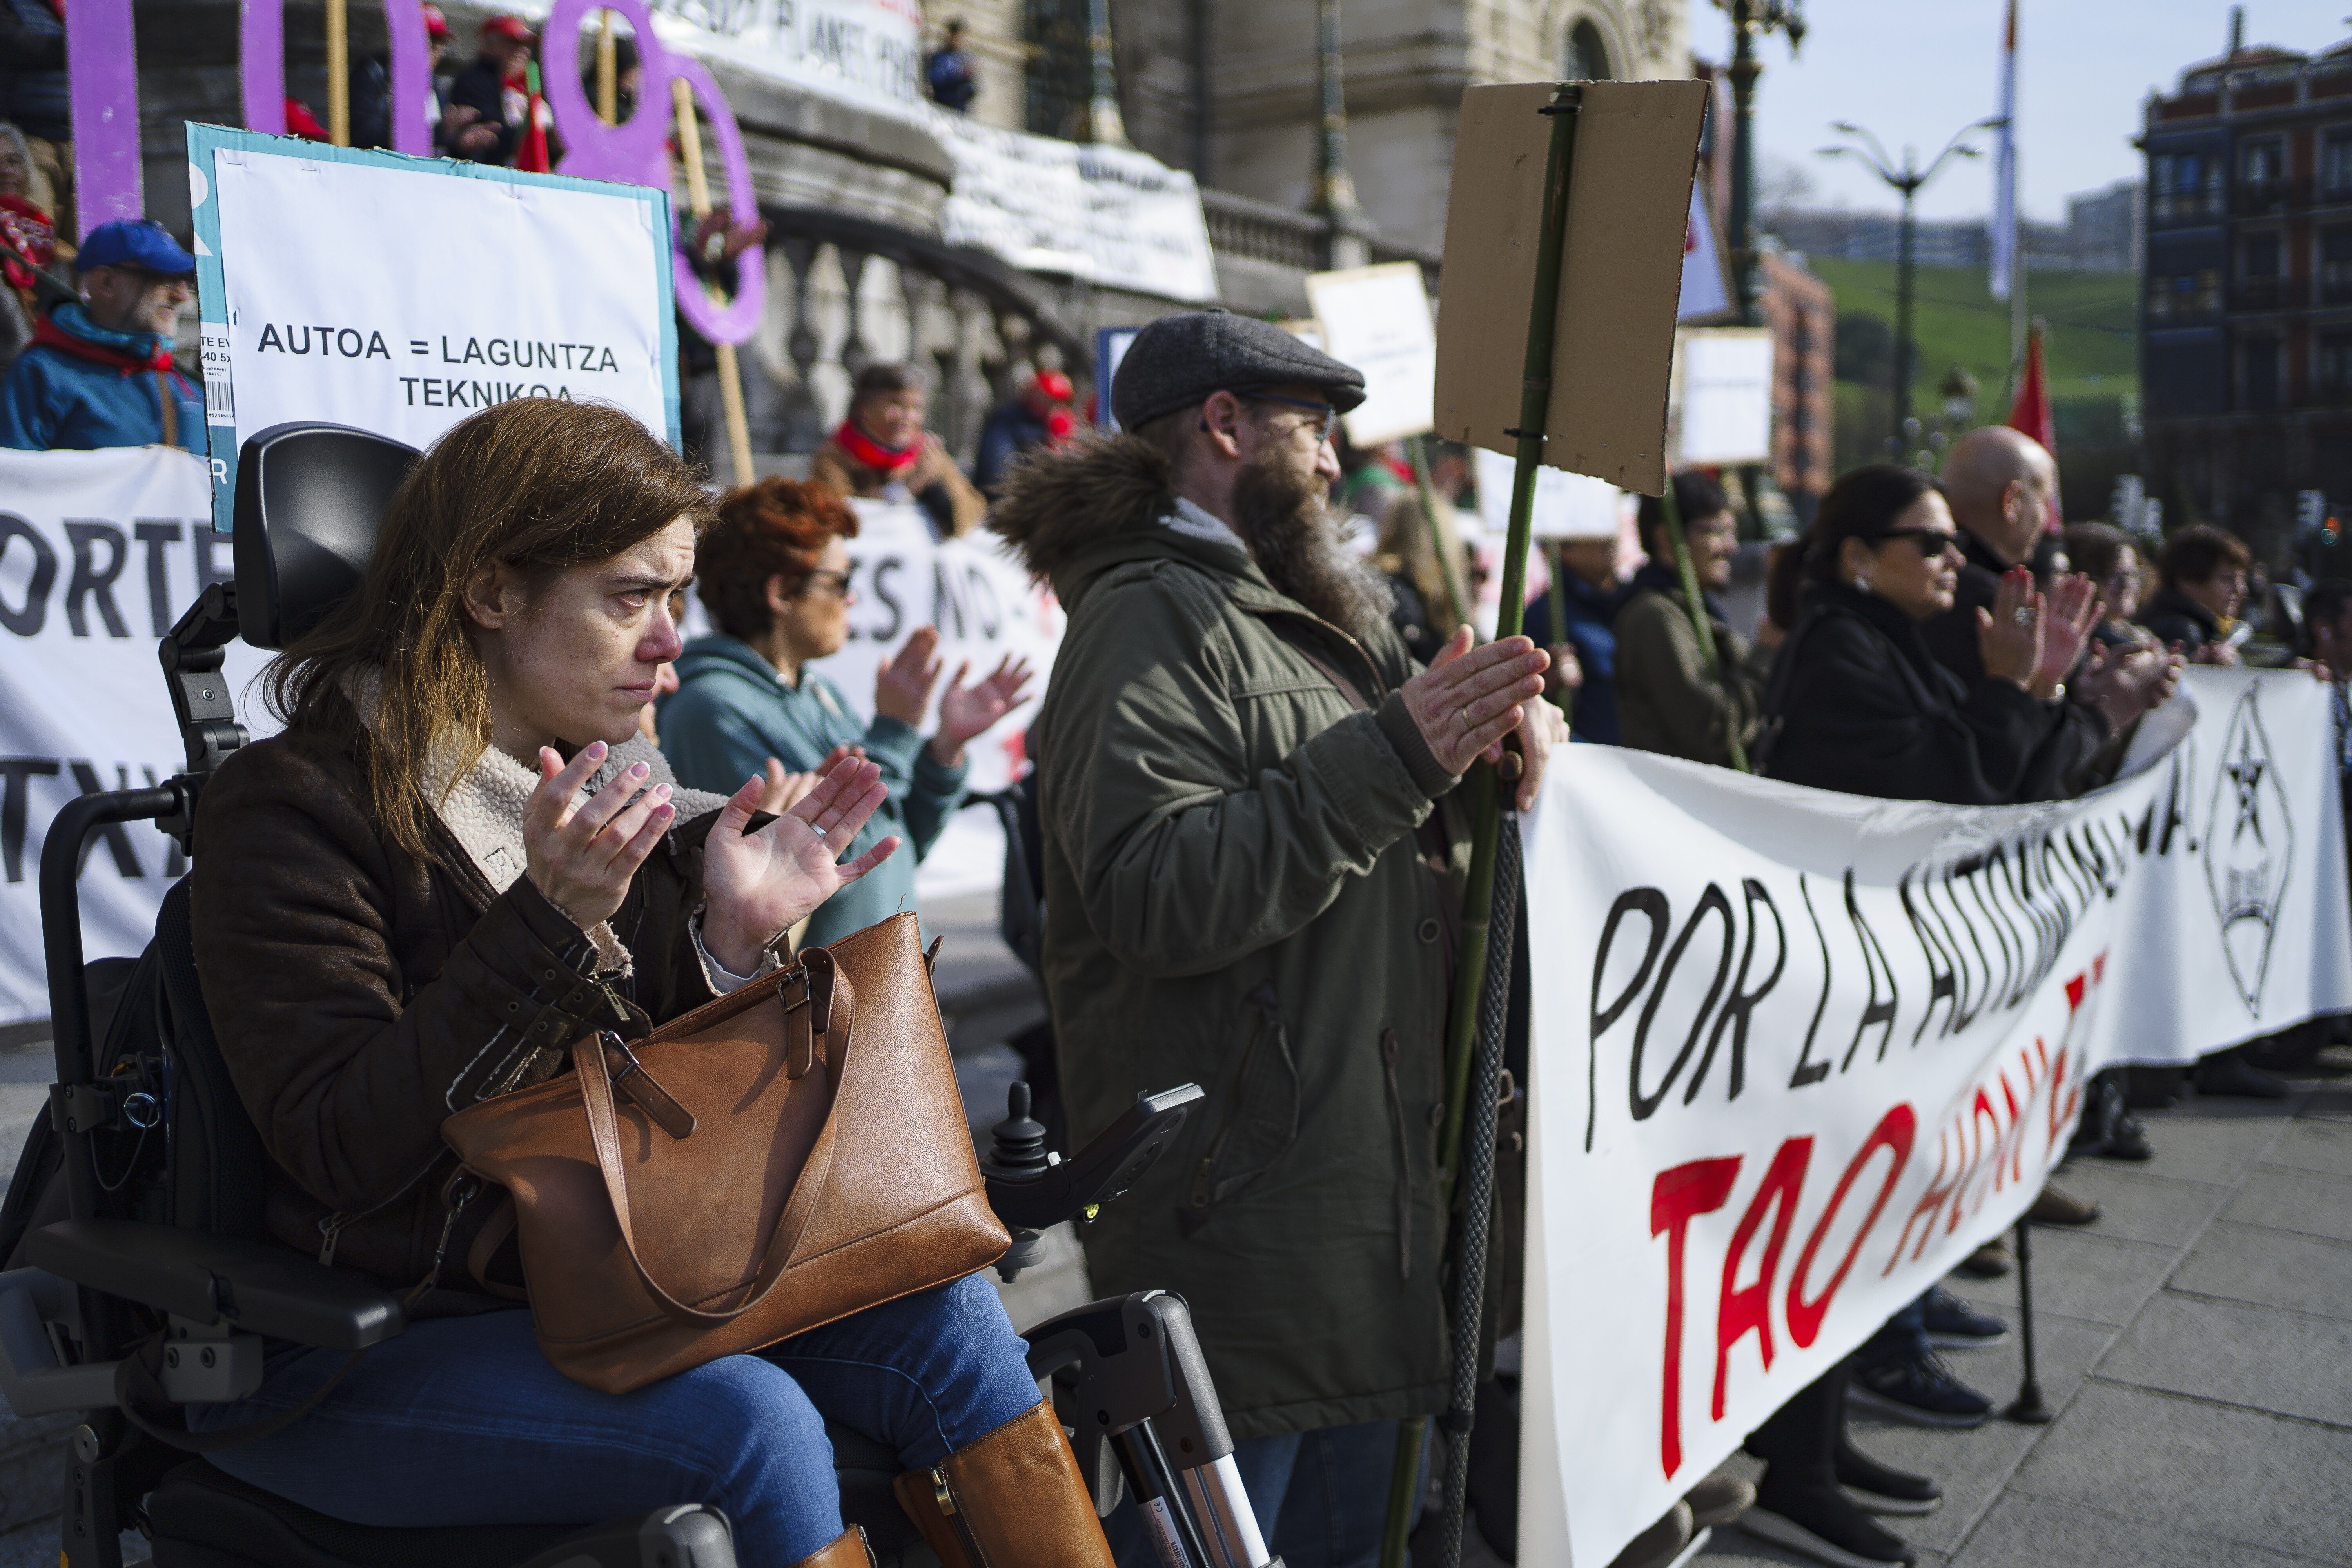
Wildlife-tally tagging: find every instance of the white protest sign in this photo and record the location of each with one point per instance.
(1377, 320)
(982, 600)
(1106, 214)
(1567, 506)
(99, 553)
(399, 295)
(1795, 1054)
(1726, 394)
(1707, 284)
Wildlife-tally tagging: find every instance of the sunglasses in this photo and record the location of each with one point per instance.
(1934, 544)
(834, 583)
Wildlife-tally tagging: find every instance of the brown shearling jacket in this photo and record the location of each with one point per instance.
(360, 994)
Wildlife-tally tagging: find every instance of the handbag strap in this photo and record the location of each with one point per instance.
(604, 1136)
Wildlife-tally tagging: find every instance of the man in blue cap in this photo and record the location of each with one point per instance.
(100, 370)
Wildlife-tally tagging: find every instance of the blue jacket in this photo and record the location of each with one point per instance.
(81, 386)
(732, 711)
(1590, 614)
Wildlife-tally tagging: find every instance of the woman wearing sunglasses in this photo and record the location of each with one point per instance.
(1857, 703)
(774, 572)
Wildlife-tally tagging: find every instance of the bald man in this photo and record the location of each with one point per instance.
(2002, 483)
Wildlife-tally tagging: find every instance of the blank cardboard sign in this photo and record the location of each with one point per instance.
(1620, 276)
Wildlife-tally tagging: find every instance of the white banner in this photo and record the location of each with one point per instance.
(401, 294)
(975, 593)
(100, 555)
(874, 46)
(1106, 214)
(1795, 1054)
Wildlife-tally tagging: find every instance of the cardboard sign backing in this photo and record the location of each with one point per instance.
(1621, 275)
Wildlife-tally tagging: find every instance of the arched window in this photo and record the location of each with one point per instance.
(1588, 56)
(1060, 71)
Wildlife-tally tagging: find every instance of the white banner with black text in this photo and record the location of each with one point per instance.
(1795, 1054)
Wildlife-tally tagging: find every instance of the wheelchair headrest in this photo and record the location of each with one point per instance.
(308, 498)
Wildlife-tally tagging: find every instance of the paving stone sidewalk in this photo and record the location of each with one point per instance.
(2196, 1344)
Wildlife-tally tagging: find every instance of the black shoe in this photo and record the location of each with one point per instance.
(1922, 1391)
(2127, 1140)
(2228, 1073)
(1822, 1523)
(1660, 1543)
(1882, 1489)
(1953, 1325)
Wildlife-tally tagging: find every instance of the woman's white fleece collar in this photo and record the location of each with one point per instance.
(483, 809)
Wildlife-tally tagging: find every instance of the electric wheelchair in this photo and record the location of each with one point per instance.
(142, 1280)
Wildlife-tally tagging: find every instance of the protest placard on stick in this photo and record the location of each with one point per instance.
(1621, 277)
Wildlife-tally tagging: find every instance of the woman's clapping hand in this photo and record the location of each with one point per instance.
(760, 884)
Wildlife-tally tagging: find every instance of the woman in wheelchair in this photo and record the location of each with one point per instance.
(395, 903)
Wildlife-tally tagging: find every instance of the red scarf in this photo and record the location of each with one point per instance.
(890, 461)
(49, 332)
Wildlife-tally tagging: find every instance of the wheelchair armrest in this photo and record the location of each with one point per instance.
(254, 1286)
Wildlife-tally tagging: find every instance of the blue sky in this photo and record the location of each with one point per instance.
(1916, 70)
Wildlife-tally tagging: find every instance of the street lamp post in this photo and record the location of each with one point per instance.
(1104, 121)
(1748, 19)
(1335, 186)
(1907, 179)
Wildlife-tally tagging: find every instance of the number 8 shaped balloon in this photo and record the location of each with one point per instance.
(636, 151)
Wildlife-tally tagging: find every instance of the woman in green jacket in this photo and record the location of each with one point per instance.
(774, 572)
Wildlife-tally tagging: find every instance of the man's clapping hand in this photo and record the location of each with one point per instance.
(1470, 697)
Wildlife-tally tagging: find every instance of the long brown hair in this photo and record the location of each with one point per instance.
(536, 485)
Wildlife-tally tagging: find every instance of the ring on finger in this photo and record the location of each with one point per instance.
(2023, 615)
(1465, 711)
(817, 830)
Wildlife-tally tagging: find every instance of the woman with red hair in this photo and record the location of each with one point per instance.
(774, 572)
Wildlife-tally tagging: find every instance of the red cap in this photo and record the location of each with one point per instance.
(1054, 385)
(505, 27)
(437, 25)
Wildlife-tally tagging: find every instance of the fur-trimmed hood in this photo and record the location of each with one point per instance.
(1059, 507)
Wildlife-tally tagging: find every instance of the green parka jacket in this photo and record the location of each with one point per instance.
(1250, 883)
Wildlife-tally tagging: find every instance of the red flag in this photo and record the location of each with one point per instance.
(532, 154)
(2030, 411)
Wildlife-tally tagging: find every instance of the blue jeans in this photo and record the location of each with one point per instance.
(461, 1421)
(1321, 1498)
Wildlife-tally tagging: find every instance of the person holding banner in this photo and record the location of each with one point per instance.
(458, 857)
(1858, 703)
(1668, 699)
(774, 572)
(1251, 875)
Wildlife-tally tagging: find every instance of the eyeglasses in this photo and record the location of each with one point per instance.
(834, 583)
(1324, 413)
(1934, 543)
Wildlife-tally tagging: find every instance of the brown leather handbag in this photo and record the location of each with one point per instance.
(733, 1195)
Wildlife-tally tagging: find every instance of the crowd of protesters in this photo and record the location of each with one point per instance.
(1246, 767)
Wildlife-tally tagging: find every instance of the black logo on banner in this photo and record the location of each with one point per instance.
(2249, 847)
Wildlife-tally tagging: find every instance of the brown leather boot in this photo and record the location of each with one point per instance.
(1014, 1499)
(848, 1551)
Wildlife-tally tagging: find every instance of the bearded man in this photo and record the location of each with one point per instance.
(1252, 860)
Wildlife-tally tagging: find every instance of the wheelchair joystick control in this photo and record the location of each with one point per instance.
(1019, 1147)
(1016, 1155)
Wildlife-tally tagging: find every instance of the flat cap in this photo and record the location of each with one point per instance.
(1180, 360)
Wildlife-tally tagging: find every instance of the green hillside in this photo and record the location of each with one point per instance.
(2092, 340)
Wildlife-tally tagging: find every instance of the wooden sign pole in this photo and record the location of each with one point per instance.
(698, 191)
(1482, 966)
